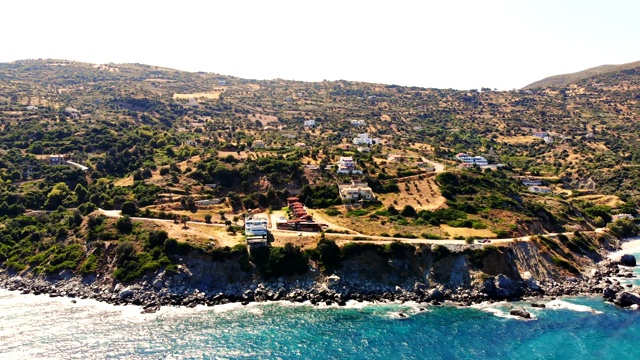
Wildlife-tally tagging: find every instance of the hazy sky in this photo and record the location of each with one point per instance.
(444, 44)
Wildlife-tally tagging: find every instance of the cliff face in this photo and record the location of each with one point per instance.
(497, 271)
(465, 266)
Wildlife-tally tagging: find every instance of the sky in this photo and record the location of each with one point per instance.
(459, 44)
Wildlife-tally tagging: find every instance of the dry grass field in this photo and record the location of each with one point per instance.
(422, 194)
(201, 95)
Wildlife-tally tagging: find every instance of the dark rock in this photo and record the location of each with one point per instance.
(521, 312)
(627, 260)
(626, 299)
(435, 295)
(610, 291)
(536, 305)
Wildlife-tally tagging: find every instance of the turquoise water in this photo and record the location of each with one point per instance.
(571, 328)
(574, 328)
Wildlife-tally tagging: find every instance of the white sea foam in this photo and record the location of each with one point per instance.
(560, 304)
(500, 309)
(628, 247)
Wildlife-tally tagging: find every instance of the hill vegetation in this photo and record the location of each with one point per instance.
(156, 143)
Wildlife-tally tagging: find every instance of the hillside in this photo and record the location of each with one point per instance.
(193, 154)
(567, 79)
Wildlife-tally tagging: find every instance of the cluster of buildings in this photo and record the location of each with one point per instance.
(301, 221)
(471, 160)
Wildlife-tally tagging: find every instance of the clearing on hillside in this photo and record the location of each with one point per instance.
(211, 95)
(422, 194)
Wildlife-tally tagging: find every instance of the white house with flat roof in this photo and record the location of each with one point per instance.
(256, 226)
(364, 139)
(309, 123)
(356, 191)
(477, 160)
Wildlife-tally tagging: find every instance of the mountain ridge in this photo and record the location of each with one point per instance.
(566, 79)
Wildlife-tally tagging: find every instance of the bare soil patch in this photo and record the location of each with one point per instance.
(422, 194)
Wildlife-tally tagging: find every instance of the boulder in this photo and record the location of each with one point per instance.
(499, 287)
(610, 291)
(419, 287)
(627, 260)
(125, 293)
(157, 284)
(626, 299)
(436, 295)
(520, 312)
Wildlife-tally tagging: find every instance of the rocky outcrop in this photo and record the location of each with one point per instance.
(627, 260)
(432, 274)
(520, 312)
(626, 299)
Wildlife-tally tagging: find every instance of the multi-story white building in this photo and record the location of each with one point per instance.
(256, 226)
(356, 191)
(477, 160)
(346, 165)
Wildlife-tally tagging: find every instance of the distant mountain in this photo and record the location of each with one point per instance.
(565, 79)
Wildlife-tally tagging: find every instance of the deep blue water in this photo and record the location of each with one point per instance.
(571, 328)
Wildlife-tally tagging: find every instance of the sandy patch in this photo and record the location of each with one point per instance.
(453, 232)
(128, 181)
(517, 139)
(201, 95)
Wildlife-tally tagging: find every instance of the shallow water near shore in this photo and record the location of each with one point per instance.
(42, 327)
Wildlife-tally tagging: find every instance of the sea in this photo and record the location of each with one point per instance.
(40, 327)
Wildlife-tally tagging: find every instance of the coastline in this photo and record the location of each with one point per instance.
(150, 300)
(628, 246)
(152, 292)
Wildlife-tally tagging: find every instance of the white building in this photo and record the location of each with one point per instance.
(531, 182)
(309, 123)
(257, 144)
(356, 191)
(31, 108)
(346, 165)
(56, 160)
(541, 134)
(256, 226)
(621, 216)
(477, 160)
(364, 139)
(358, 122)
(540, 189)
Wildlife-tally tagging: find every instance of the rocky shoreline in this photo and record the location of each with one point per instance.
(152, 294)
